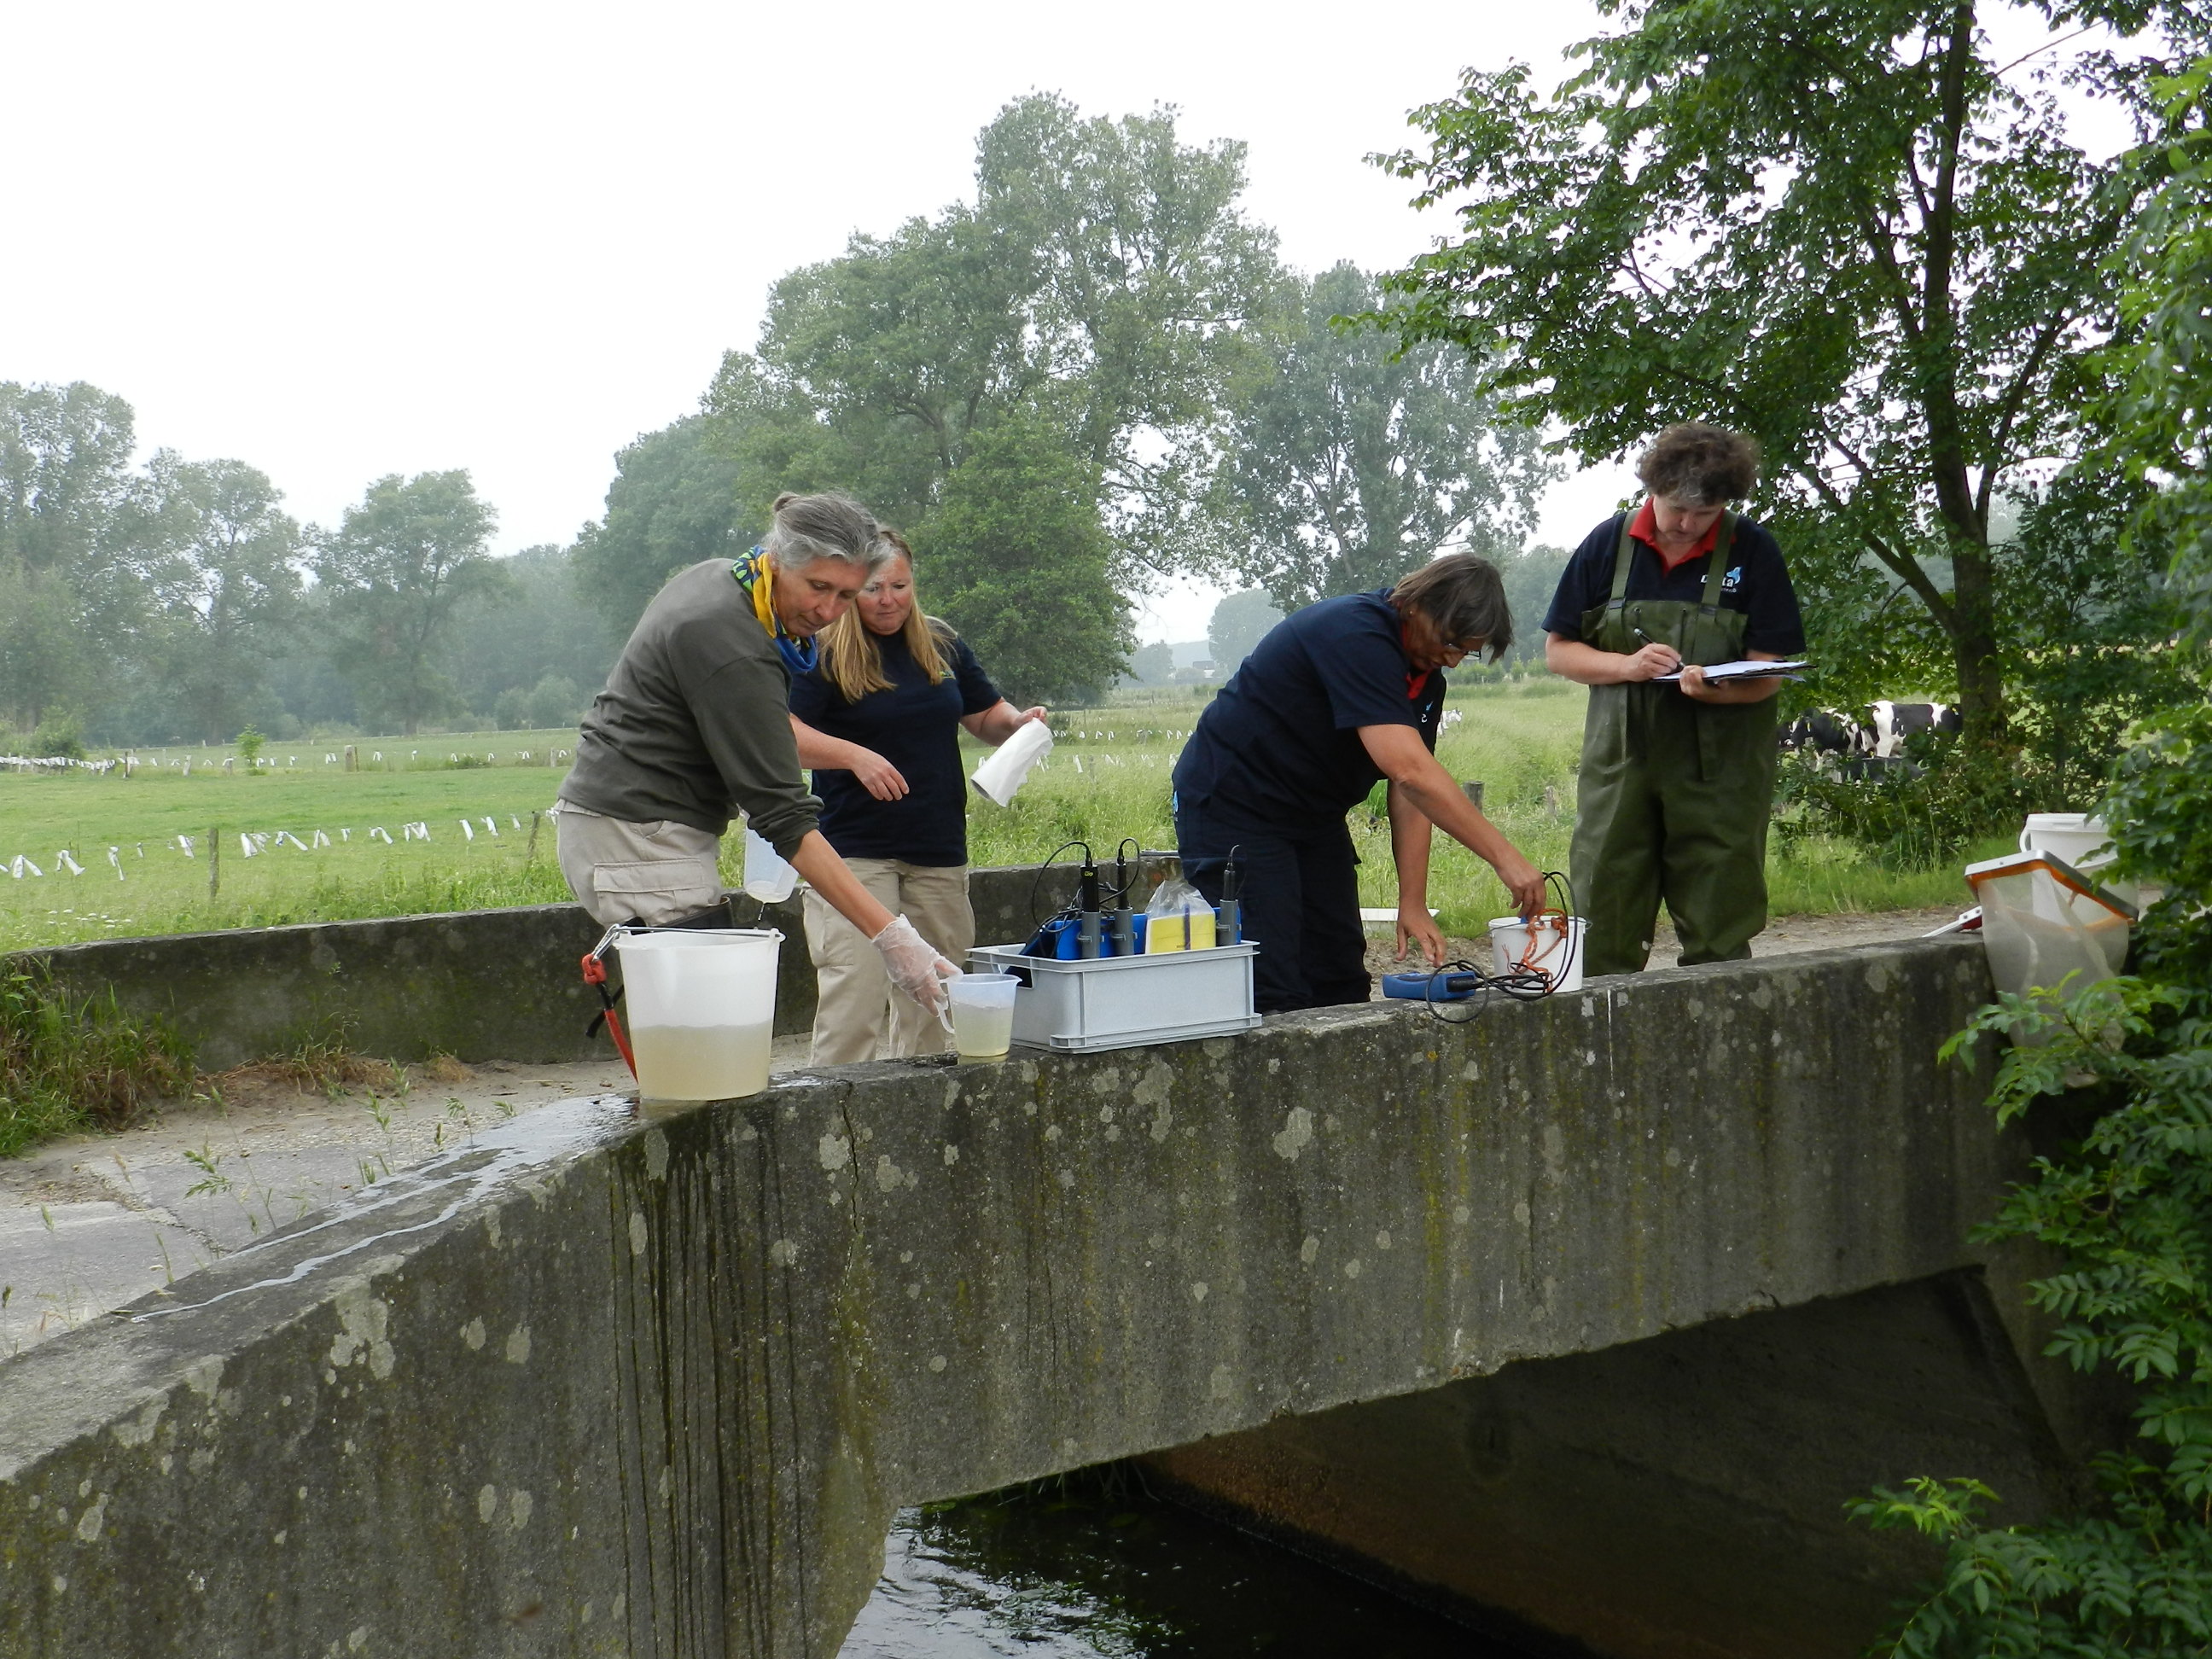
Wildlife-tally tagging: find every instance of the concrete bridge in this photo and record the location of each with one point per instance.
(1594, 1311)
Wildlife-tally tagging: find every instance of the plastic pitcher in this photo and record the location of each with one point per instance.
(700, 1005)
(1559, 949)
(983, 1014)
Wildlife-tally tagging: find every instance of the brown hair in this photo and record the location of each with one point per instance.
(1463, 597)
(1700, 465)
(852, 661)
(825, 527)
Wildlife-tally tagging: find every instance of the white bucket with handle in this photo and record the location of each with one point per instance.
(1558, 948)
(700, 1007)
(2081, 839)
(2078, 840)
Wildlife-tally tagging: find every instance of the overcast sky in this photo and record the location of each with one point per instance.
(337, 241)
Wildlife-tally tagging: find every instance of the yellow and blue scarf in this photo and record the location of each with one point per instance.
(757, 577)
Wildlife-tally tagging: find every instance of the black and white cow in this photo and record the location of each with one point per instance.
(1871, 743)
(1894, 724)
(1827, 732)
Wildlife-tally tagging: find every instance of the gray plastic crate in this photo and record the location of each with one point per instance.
(1121, 1002)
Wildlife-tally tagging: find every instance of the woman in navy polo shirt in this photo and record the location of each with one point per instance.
(1337, 698)
(879, 721)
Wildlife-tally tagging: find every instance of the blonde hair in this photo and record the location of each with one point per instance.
(852, 661)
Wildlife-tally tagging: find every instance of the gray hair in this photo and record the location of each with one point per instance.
(825, 527)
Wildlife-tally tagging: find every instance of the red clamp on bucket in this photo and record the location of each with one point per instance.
(595, 976)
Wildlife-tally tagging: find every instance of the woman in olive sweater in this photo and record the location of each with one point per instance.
(695, 720)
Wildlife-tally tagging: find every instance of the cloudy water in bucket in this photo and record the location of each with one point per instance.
(1096, 1567)
(701, 1062)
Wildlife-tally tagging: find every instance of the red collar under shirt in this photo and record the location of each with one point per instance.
(1646, 530)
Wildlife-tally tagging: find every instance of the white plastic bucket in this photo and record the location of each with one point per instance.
(1559, 947)
(2076, 837)
(699, 1004)
(983, 1014)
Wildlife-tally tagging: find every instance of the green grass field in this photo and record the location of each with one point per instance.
(1106, 779)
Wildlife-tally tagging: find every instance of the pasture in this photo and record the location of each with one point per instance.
(317, 857)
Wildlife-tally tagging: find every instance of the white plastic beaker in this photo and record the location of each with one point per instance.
(699, 1004)
(982, 1014)
(768, 876)
(1559, 949)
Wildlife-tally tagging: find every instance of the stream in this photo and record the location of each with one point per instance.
(1095, 1567)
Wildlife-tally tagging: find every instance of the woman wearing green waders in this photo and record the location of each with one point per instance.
(1677, 778)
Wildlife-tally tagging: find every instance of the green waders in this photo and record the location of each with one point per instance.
(1674, 794)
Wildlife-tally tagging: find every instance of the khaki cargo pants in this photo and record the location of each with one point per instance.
(652, 873)
(861, 1015)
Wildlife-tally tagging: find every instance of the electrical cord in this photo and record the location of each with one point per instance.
(1461, 984)
(1037, 884)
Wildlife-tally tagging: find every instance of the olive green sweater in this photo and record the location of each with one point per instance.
(696, 720)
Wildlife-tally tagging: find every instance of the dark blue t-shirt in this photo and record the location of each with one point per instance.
(915, 726)
(1757, 582)
(1279, 747)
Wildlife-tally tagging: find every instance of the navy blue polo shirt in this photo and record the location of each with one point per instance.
(915, 726)
(1279, 747)
(1756, 582)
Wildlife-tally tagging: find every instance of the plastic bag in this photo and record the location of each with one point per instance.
(1005, 767)
(1177, 917)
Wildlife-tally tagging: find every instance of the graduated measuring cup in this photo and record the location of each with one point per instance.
(982, 1014)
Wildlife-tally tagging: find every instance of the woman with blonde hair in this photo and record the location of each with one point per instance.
(879, 722)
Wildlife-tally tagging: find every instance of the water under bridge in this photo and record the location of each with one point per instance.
(1592, 1312)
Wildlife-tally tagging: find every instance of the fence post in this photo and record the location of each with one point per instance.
(215, 860)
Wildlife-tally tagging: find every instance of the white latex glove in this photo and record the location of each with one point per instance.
(916, 969)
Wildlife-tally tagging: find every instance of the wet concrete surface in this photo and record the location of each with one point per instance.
(94, 1221)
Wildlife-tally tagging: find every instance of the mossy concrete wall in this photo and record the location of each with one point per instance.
(598, 1385)
(485, 985)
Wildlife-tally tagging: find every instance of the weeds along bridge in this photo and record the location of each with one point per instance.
(1592, 1310)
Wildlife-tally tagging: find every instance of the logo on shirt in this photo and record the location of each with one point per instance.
(1730, 582)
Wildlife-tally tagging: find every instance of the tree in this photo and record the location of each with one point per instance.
(535, 625)
(75, 598)
(1153, 664)
(1239, 622)
(1844, 229)
(1099, 282)
(1532, 577)
(673, 503)
(227, 583)
(1015, 558)
(1355, 462)
(394, 571)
